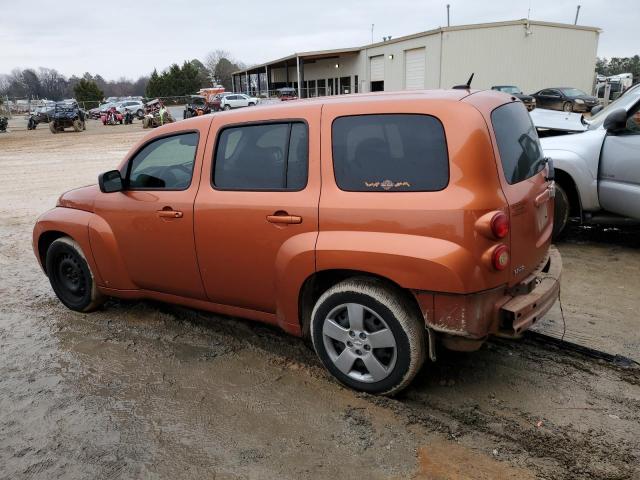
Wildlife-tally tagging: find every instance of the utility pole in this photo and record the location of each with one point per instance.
(575, 22)
(372, 25)
(448, 18)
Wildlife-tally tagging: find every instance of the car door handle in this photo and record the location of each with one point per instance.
(169, 214)
(284, 218)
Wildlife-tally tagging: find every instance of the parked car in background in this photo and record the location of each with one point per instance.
(287, 93)
(134, 106)
(565, 98)
(237, 100)
(528, 100)
(197, 105)
(216, 101)
(374, 230)
(597, 162)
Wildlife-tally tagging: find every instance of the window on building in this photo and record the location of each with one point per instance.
(271, 156)
(355, 84)
(393, 152)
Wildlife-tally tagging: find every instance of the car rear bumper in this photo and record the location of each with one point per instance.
(463, 322)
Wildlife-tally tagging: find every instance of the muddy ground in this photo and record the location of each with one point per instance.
(146, 390)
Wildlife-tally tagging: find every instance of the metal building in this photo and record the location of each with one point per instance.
(530, 54)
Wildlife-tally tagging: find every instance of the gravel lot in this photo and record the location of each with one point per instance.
(146, 390)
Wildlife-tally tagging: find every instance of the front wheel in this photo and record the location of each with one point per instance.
(368, 336)
(561, 211)
(53, 128)
(567, 107)
(77, 125)
(227, 107)
(70, 276)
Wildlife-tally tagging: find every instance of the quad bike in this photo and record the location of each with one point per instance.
(112, 117)
(4, 121)
(66, 115)
(32, 123)
(153, 120)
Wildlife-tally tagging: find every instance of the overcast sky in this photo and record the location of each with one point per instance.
(129, 38)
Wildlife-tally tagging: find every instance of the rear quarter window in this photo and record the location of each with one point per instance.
(518, 143)
(391, 152)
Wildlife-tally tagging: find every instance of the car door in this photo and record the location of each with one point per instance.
(152, 218)
(256, 214)
(556, 99)
(619, 173)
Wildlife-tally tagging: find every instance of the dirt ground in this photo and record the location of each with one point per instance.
(146, 390)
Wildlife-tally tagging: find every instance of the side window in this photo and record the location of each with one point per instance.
(520, 151)
(272, 156)
(164, 164)
(397, 153)
(633, 122)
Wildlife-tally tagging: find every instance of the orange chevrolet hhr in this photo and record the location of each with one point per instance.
(379, 225)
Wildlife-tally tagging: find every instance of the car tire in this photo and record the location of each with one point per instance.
(344, 323)
(140, 114)
(567, 107)
(227, 107)
(70, 276)
(251, 104)
(77, 125)
(562, 208)
(53, 128)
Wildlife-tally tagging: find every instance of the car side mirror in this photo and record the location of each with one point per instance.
(616, 120)
(110, 182)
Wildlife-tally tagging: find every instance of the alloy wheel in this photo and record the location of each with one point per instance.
(359, 342)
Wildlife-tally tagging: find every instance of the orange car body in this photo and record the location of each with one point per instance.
(225, 254)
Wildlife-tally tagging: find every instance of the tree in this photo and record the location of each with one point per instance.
(223, 73)
(88, 92)
(617, 65)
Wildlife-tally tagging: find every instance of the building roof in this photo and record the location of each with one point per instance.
(435, 31)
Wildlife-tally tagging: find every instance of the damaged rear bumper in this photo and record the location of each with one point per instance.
(463, 322)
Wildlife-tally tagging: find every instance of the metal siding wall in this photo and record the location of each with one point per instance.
(550, 56)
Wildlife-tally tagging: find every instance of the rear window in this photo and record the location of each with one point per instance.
(518, 144)
(397, 153)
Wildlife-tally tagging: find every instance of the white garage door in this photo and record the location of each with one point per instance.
(414, 68)
(377, 68)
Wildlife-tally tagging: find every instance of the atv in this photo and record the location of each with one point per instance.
(67, 115)
(4, 121)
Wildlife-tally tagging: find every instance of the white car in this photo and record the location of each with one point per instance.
(237, 100)
(135, 106)
(596, 160)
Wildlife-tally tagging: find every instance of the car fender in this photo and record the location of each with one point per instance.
(578, 155)
(68, 222)
(411, 261)
(295, 262)
(577, 168)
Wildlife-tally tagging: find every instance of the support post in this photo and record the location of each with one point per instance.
(266, 72)
(299, 84)
(247, 80)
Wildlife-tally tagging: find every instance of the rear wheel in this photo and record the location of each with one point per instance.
(140, 114)
(561, 211)
(53, 128)
(368, 336)
(70, 276)
(227, 107)
(567, 107)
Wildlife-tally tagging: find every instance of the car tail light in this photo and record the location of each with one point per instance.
(500, 225)
(500, 257)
